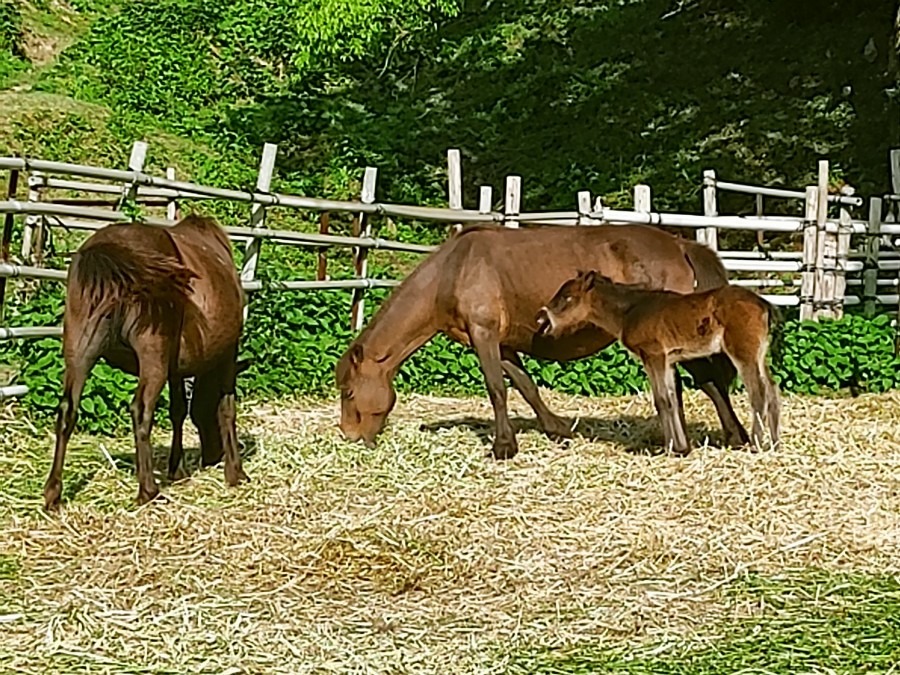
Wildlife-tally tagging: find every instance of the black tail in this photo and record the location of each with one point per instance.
(709, 272)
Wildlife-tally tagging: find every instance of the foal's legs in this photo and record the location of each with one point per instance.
(750, 355)
(234, 472)
(714, 376)
(665, 395)
(551, 423)
(487, 345)
(177, 414)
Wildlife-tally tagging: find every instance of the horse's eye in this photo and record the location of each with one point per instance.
(347, 394)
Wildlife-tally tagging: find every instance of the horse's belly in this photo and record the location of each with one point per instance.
(568, 348)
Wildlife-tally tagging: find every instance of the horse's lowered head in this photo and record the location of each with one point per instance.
(571, 307)
(367, 395)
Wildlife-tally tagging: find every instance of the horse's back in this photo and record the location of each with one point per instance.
(513, 272)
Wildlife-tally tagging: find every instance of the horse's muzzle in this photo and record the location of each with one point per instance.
(544, 322)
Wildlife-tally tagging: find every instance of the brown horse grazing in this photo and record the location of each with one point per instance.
(163, 304)
(483, 288)
(664, 328)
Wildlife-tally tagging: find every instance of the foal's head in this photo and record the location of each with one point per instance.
(571, 307)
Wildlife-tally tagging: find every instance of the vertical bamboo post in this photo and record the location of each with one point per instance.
(8, 220)
(760, 210)
(172, 210)
(642, 198)
(362, 227)
(258, 217)
(584, 207)
(322, 270)
(709, 235)
(845, 230)
(513, 202)
(485, 199)
(870, 267)
(808, 270)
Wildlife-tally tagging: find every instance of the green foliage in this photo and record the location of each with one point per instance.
(11, 62)
(811, 622)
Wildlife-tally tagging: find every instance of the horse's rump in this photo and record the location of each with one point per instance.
(106, 274)
(709, 271)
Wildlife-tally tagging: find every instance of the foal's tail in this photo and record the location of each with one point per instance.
(709, 272)
(776, 333)
(106, 275)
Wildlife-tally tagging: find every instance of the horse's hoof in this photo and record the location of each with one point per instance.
(177, 475)
(147, 496)
(52, 493)
(558, 429)
(506, 450)
(236, 477)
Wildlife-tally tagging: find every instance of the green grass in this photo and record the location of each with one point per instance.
(809, 622)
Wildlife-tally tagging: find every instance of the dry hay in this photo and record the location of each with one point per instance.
(424, 556)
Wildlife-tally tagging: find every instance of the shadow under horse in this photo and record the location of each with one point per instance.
(483, 288)
(163, 304)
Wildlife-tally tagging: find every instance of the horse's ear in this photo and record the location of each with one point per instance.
(356, 355)
(589, 280)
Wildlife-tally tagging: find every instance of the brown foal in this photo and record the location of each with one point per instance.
(664, 328)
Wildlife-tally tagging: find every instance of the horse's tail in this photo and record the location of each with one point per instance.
(107, 274)
(709, 272)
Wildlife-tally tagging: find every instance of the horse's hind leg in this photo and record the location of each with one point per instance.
(77, 370)
(234, 471)
(552, 424)
(714, 376)
(153, 368)
(177, 414)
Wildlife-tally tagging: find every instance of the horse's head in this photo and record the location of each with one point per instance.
(570, 308)
(367, 396)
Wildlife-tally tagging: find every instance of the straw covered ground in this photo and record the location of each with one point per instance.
(424, 556)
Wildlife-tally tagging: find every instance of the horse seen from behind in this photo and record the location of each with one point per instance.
(664, 328)
(163, 304)
(483, 288)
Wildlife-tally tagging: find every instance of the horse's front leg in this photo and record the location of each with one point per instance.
(487, 345)
(663, 378)
(552, 424)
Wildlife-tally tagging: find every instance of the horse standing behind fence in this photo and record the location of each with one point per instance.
(664, 328)
(483, 288)
(163, 304)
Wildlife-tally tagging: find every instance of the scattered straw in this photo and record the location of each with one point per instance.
(423, 555)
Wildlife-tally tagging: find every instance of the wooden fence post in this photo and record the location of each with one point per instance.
(258, 218)
(709, 235)
(172, 210)
(322, 270)
(6, 240)
(362, 227)
(135, 163)
(642, 198)
(584, 207)
(485, 199)
(808, 270)
(513, 201)
(33, 224)
(454, 184)
(870, 267)
(826, 250)
(845, 230)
